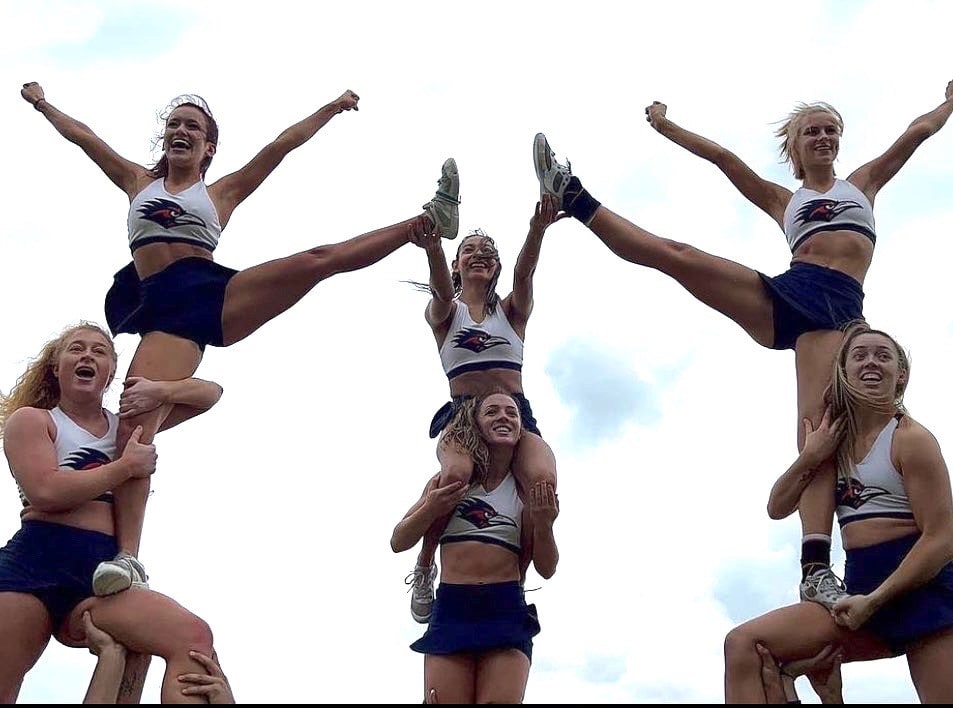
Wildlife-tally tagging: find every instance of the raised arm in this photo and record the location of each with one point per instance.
(126, 175)
(817, 455)
(435, 503)
(927, 483)
(519, 304)
(875, 174)
(440, 307)
(231, 190)
(538, 517)
(110, 664)
(187, 398)
(771, 198)
(28, 445)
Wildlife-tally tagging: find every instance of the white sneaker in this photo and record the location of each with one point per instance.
(552, 176)
(444, 208)
(421, 588)
(823, 587)
(121, 573)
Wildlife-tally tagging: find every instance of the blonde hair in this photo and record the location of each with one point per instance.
(38, 386)
(464, 432)
(846, 399)
(792, 123)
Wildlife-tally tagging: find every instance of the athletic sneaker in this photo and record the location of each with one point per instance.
(552, 176)
(444, 208)
(823, 587)
(121, 573)
(421, 588)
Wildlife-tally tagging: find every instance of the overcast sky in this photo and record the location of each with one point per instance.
(271, 515)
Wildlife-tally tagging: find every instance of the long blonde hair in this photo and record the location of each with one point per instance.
(792, 123)
(846, 399)
(38, 386)
(464, 432)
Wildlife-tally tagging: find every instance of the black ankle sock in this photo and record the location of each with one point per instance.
(578, 202)
(816, 552)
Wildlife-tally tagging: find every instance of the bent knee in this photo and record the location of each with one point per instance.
(456, 473)
(192, 633)
(740, 648)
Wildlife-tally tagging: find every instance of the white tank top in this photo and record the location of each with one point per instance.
(471, 346)
(78, 449)
(155, 215)
(488, 517)
(876, 488)
(842, 208)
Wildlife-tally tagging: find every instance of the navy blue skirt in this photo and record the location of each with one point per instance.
(471, 619)
(911, 616)
(810, 298)
(55, 563)
(443, 416)
(185, 298)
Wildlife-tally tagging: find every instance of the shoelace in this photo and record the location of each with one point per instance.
(447, 198)
(418, 579)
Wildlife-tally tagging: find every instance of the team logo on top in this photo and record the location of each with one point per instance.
(481, 514)
(476, 340)
(86, 458)
(823, 210)
(854, 494)
(169, 214)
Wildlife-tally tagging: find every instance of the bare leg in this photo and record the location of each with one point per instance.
(25, 627)
(149, 623)
(814, 359)
(449, 679)
(535, 462)
(794, 632)
(929, 661)
(501, 676)
(728, 287)
(261, 293)
(160, 357)
(455, 466)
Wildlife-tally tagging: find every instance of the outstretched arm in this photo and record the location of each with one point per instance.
(519, 304)
(771, 198)
(231, 190)
(187, 398)
(440, 306)
(110, 664)
(875, 174)
(927, 483)
(124, 174)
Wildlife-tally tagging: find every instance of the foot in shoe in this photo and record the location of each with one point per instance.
(444, 209)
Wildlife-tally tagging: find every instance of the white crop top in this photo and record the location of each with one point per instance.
(875, 489)
(156, 216)
(78, 449)
(488, 517)
(841, 208)
(472, 346)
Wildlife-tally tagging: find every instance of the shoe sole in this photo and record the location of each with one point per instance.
(421, 619)
(542, 157)
(105, 586)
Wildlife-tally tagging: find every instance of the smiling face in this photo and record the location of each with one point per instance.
(185, 140)
(499, 420)
(873, 365)
(477, 258)
(85, 364)
(816, 141)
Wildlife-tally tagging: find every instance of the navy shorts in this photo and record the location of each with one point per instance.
(185, 298)
(55, 563)
(911, 616)
(810, 298)
(443, 416)
(470, 619)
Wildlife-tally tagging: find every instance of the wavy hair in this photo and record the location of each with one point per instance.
(38, 386)
(161, 168)
(464, 432)
(492, 299)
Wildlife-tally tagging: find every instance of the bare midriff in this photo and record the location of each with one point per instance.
(477, 563)
(155, 257)
(870, 532)
(473, 383)
(846, 251)
(92, 516)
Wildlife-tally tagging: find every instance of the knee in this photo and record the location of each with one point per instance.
(740, 652)
(192, 633)
(456, 472)
(324, 261)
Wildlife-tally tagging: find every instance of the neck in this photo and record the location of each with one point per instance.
(871, 420)
(88, 409)
(183, 175)
(819, 178)
(473, 295)
(501, 460)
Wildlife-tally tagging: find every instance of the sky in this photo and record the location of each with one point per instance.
(271, 515)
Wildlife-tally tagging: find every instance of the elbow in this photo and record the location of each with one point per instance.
(215, 395)
(546, 570)
(43, 499)
(774, 511)
(398, 544)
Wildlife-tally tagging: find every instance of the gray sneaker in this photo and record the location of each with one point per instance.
(444, 208)
(552, 176)
(121, 573)
(421, 589)
(823, 587)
